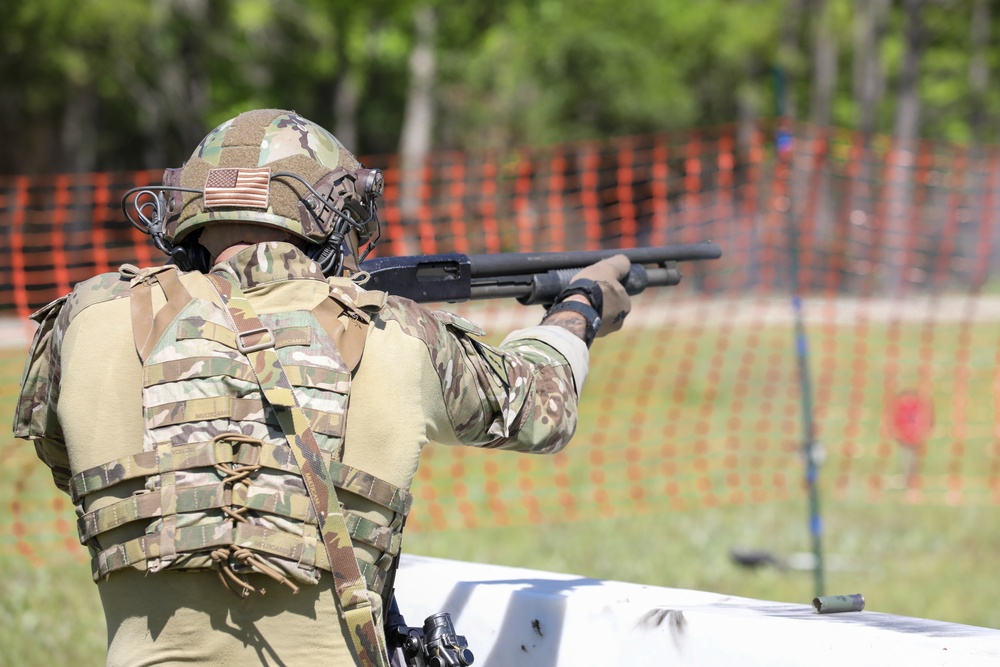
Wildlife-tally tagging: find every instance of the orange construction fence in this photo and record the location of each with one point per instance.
(697, 401)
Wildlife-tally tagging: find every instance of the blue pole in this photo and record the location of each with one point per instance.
(810, 448)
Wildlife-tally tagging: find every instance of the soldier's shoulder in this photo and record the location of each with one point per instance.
(93, 291)
(418, 320)
(348, 292)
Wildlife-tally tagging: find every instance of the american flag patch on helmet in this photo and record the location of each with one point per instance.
(243, 188)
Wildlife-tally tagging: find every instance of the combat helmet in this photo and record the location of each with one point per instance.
(269, 167)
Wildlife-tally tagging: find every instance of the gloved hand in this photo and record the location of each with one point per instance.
(608, 274)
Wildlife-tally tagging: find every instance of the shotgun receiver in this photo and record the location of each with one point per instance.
(530, 277)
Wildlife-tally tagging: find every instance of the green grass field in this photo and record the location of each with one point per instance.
(689, 431)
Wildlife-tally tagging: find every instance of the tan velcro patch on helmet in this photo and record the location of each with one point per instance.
(242, 188)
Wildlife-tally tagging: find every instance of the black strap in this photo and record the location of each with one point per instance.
(589, 313)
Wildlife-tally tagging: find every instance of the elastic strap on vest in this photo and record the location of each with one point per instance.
(257, 342)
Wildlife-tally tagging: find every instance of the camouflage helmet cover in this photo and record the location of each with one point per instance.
(250, 150)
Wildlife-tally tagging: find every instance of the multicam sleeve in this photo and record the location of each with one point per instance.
(547, 366)
(35, 418)
(521, 395)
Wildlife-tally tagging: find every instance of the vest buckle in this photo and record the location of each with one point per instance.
(265, 343)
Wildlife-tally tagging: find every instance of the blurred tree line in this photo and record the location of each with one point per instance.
(113, 84)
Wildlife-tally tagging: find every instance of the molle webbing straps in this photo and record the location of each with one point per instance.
(193, 455)
(226, 452)
(138, 553)
(257, 342)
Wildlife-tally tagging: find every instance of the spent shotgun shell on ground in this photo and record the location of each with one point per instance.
(832, 604)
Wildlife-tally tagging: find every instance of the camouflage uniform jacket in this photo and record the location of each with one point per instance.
(423, 378)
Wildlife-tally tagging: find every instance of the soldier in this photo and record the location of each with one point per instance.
(236, 416)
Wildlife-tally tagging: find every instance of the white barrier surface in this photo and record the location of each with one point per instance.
(530, 618)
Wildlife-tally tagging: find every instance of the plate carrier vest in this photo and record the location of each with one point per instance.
(222, 489)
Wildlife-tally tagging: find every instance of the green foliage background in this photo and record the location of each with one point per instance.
(103, 84)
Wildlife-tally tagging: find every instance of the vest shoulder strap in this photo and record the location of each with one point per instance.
(147, 327)
(345, 317)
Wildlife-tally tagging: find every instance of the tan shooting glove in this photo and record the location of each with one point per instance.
(600, 284)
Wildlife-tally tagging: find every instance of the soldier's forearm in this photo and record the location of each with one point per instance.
(575, 323)
(571, 321)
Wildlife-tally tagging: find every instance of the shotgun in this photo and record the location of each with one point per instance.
(530, 277)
